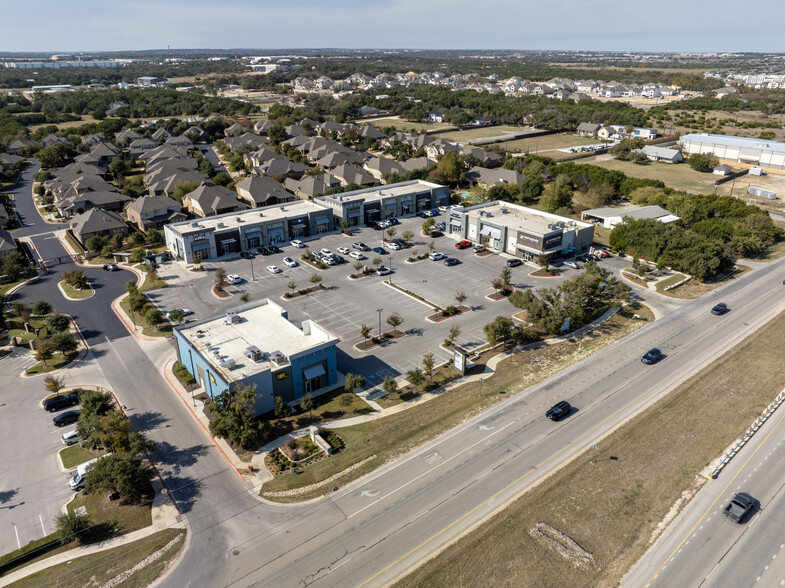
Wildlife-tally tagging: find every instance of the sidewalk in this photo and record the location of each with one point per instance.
(164, 516)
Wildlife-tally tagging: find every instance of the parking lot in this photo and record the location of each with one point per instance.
(345, 304)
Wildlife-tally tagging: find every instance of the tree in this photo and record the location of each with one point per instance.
(154, 236)
(176, 315)
(703, 162)
(358, 266)
(292, 285)
(451, 169)
(42, 308)
(391, 232)
(138, 238)
(427, 365)
(182, 189)
(315, 279)
(69, 525)
(497, 284)
(376, 261)
(407, 236)
(118, 240)
(415, 377)
(500, 329)
(222, 179)
(54, 384)
(13, 264)
(116, 434)
(245, 297)
(138, 254)
(234, 417)
(137, 302)
(57, 322)
(506, 276)
(427, 225)
(431, 246)
(281, 409)
(308, 403)
(153, 317)
(557, 194)
(63, 342)
(52, 156)
(453, 334)
(390, 386)
(460, 297)
(119, 473)
(96, 242)
(220, 279)
(353, 382)
(365, 331)
(44, 352)
(395, 320)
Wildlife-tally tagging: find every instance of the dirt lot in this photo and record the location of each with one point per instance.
(548, 145)
(482, 133)
(714, 116)
(612, 507)
(402, 125)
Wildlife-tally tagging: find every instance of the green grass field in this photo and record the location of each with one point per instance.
(679, 176)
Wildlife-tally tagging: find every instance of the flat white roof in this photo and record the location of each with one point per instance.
(746, 142)
(399, 189)
(519, 217)
(254, 216)
(261, 325)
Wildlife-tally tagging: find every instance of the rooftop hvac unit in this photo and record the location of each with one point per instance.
(232, 317)
(220, 225)
(261, 214)
(254, 354)
(194, 224)
(279, 358)
(238, 219)
(283, 209)
(228, 363)
(503, 210)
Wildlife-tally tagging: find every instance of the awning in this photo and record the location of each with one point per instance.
(313, 372)
(354, 214)
(485, 231)
(390, 205)
(223, 241)
(201, 247)
(298, 224)
(406, 202)
(322, 220)
(496, 234)
(253, 233)
(454, 222)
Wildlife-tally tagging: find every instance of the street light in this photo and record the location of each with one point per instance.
(380, 311)
(253, 277)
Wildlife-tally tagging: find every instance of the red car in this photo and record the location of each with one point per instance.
(463, 244)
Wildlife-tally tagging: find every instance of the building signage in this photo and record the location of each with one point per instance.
(553, 241)
(459, 359)
(281, 376)
(275, 226)
(528, 239)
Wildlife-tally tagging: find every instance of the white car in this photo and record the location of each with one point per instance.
(393, 246)
(344, 250)
(383, 271)
(273, 269)
(356, 255)
(297, 243)
(233, 279)
(326, 252)
(572, 264)
(289, 262)
(444, 208)
(436, 256)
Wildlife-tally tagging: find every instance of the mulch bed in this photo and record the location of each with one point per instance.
(313, 263)
(440, 316)
(496, 296)
(373, 342)
(303, 292)
(220, 293)
(483, 254)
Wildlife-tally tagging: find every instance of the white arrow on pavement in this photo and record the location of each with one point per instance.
(369, 493)
(487, 427)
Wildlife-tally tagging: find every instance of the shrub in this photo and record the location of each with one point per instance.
(183, 373)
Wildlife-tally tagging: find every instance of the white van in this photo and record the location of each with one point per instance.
(70, 438)
(77, 481)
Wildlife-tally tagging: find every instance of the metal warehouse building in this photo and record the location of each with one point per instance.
(744, 150)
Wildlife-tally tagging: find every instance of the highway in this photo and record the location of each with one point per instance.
(375, 530)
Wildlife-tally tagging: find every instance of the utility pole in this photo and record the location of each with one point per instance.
(380, 311)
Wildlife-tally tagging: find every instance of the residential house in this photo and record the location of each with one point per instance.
(352, 174)
(103, 199)
(52, 140)
(251, 139)
(588, 129)
(179, 141)
(323, 83)
(258, 157)
(234, 131)
(165, 180)
(486, 158)
(161, 135)
(435, 116)
(263, 127)
(97, 222)
(139, 146)
(164, 152)
(105, 151)
(281, 166)
(93, 140)
(368, 111)
(209, 200)
(439, 147)
(152, 212)
(417, 163)
(311, 186)
(126, 136)
(22, 145)
(196, 134)
(492, 177)
(259, 191)
(10, 162)
(379, 167)
(664, 154)
(371, 132)
(7, 245)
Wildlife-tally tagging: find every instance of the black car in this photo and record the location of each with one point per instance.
(379, 251)
(513, 262)
(739, 506)
(401, 242)
(652, 356)
(720, 308)
(274, 249)
(66, 418)
(451, 261)
(559, 411)
(110, 267)
(61, 401)
(435, 234)
(246, 255)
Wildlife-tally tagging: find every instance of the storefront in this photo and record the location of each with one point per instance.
(275, 233)
(322, 225)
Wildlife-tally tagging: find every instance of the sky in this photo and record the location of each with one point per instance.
(612, 25)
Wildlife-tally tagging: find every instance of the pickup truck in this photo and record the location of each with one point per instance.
(739, 506)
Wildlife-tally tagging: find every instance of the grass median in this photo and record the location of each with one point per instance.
(612, 508)
(385, 439)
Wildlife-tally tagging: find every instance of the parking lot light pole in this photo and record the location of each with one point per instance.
(380, 311)
(253, 277)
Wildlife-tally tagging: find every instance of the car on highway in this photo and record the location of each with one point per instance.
(572, 264)
(559, 410)
(110, 267)
(247, 255)
(384, 271)
(297, 243)
(273, 269)
(436, 256)
(289, 262)
(357, 255)
(739, 506)
(379, 251)
(392, 245)
(652, 356)
(344, 250)
(233, 279)
(720, 308)
(66, 418)
(451, 261)
(463, 244)
(55, 403)
(513, 262)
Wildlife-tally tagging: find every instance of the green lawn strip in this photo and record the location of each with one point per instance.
(75, 246)
(99, 568)
(58, 360)
(76, 454)
(396, 434)
(695, 289)
(663, 285)
(164, 330)
(72, 292)
(612, 507)
(636, 279)
(152, 284)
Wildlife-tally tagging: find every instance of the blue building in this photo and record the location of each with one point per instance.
(255, 344)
